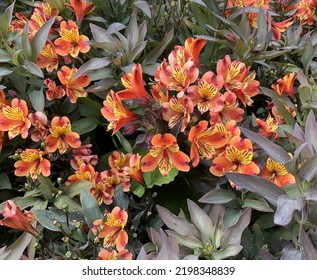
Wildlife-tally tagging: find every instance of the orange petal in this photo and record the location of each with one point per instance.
(163, 139)
(221, 165)
(122, 240)
(250, 168)
(45, 167)
(149, 163)
(22, 168)
(180, 160)
(283, 180)
(197, 129)
(52, 143)
(194, 155)
(73, 139)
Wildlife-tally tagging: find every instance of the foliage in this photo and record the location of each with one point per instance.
(158, 129)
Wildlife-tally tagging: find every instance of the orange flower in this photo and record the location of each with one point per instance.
(114, 112)
(114, 255)
(277, 173)
(237, 80)
(237, 158)
(285, 85)
(204, 141)
(118, 161)
(133, 170)
(176, 110)
(80, 8)
(305, 11)
(160, 93)
(14, 119)
(280, 27)
(206, 95)
(278, 116)
(74, 86)
(85, 172)
(3, 100)
(113, 229)
(70, 42)
(15, 218)
(61, 136)
(39, 121)
(194, 47)
(48, 57)
(268, 128)
(134, 85)
(229, 111)
(165, 153)
(82, 155)
(33, 163)
(3, 140)
(53, 91)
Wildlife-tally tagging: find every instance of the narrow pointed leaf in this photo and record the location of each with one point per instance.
(144, 7)
(75, 188)
(310, 131)
(229, 251)
(187, 241)
(308, 170)
(92, 64)
(309, 249)
(218, 196)
(15, 251)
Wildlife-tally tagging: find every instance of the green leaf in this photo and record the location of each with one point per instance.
(155, 178)
(305, 94)
(120, 199)
(75, 188)
(16, 250)
(85, 125)
(62, 201)
(5, 183)
(199, 2)
(4, 71)
(218, 196)
(40, 38)
(45, 181)
(229, 251)
(274, 151)
(47, 219)
(135, 52)
(137, 189)
(33, 69)
(308, 55)
(6, 19)
(89, 107)
(4, 56)
(270, 54)
(90, 207)
(308, 170)
(26, 46)
(258, 185)
(37, 99)
(124, 142)
(144, 7)
(92, 64)
(260, 205)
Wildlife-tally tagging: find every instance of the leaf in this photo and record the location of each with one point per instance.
(308, 170)
(270, 54)
(274, 151)
(290, 253)
(310, 131)
(187, 241)
(120, 199)
(285, 209)
(5, 182)
(6, 19)
(26, 46)
(229, 251)
(135, 52)
(90, 206)
(218, 196)
(155, 178)
(85, 125)
(308, 247)
(137, 189)
(40, 38)
(4, 71)
(37, 99)
(48, 219)
(308, 55)
(199, 2)
(115, 27)
(124, 142)
(92, 64)
(15, 251)
(144, 7)
(63, 201)
(75, 188)
(258, 185)
(33, 69)
(4, 56)
(260, 205)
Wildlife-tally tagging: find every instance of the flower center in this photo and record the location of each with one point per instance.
(28, 156)
(239, 156)
(15, 114)
(179, 75)
(70, 36)
(275, 167)
(59, 131)
(205, 90)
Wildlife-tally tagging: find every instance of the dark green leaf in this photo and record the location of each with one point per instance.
(124, 142)
(200, 2)
(218, 196)
(90, 206)
(260, 205)
(155, 178)
(120, 199)
(5, 182)
(308, 55)
(85, 125)
(92, 64)
(6, 19)
(260, 186)
(26, 46)
(63, 201)
(37, 99)
(47, 219)
(75, 188)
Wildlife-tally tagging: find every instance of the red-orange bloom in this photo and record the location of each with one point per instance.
(32, 163)
(114, 255)
(277, 173)
(85, 172)
(15, 218)
(278, 116)
(61, 137)
(237, 158)
(237, 80)
(194, 47)
(204, 141)
(305, 11)
(39, 121)
(114, 112)
(134, 85)
(268, 128)
(74, 86)
(3, 100)
(14, 119)
(280, 27)
(18, 23)
(178, 110)
(48, 57)
(206, 95)
(70, 42)
(165, 153)
(81, 8)
(113, 230)
(53, 91)
(285, 85)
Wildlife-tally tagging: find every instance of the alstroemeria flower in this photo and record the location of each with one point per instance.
(204, 141)
(134, 85)
(237, 80)
(133, 170)
(18, 23)
(194, 47)
(48, 57)
(114, 255)
(165, 153)
(206, 95)
(15, 218)
(285, 85)
(14, 119)
(39, 121)
(81, 8)
(53, 91)
(114, 112)
(277, 173)
(268, 128)
(82, 155)
(3, 101)
(70, 42)
(32, 163)
(74, 86)
(62, 137)
(113, 229)
(305, 11)
(278, 116)
(176, 110)
(237, 158)
(84, 172)
(280, 27)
